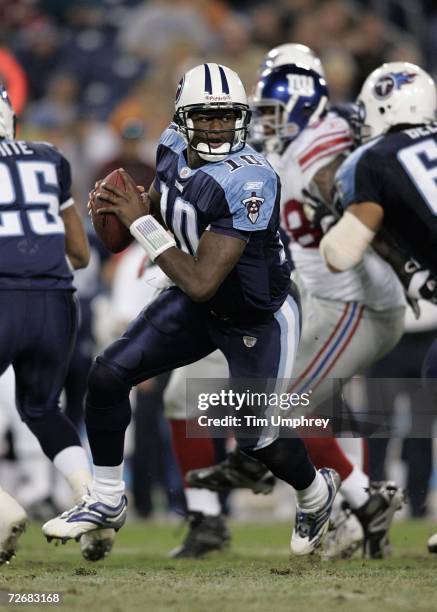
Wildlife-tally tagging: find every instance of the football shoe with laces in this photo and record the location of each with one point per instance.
(86, 516)
(96, 545)
(345, 536)
(237, 471)
(310, 528)
(13, 521)
(376, 517)
(205, 534)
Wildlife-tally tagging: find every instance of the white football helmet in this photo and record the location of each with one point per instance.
(7, 115)
(212, 87)
(292, 53)
(396, 93)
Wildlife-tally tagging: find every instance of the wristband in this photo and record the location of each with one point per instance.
(152, 236)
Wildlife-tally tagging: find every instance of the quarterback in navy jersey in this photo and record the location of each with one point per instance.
(42, 240)
(232, 291)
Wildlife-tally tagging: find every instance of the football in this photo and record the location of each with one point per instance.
(111, 231)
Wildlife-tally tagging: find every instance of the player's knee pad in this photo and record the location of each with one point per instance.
(105, 386)
(107, 402)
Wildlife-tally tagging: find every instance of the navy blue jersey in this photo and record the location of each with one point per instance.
(399, 172)
(35, 185)
(239, 197)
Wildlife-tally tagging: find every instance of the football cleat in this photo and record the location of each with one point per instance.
(237, 471)
(311, 527)
(96, 545)
(205, 534)
(432, 543)
(345, 536)
(376, 517)
(88, 515)
(13, 522)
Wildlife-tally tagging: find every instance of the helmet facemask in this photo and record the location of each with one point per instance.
(206, 142)
(272, 126)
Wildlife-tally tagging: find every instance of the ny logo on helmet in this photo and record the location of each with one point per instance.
(252, 205)
(385, 85)
(300, 83)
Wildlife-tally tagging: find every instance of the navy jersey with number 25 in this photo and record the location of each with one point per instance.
(399, 172)
(239, 197)
(35, 185)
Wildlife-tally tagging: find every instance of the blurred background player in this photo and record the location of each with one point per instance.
(41, 240)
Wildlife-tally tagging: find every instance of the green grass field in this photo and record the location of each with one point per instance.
(255, 575)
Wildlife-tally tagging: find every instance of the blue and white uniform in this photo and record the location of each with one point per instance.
(254, 316)
(39, 318)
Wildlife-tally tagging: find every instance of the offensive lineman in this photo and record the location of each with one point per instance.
(41, 240)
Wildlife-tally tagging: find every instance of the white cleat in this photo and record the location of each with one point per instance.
(432, 543)
(13, 521)
(345, 536)
(87, 516)
(96, 545)
(311, 527)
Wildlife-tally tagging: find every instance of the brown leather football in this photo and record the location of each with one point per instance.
(111, 231)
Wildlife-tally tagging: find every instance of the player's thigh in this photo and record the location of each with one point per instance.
(13, 325)
(340, 340)
(261, 359)
(168, 334)
(263, 351)
(42, 362)
(180, 401)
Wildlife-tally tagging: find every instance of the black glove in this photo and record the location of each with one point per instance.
(317, 213)
(420, 282)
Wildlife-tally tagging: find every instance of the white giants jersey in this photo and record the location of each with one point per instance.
(372, 282)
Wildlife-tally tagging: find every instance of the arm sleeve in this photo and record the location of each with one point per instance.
(249, 206)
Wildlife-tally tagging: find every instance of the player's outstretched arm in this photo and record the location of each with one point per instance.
(76, 241)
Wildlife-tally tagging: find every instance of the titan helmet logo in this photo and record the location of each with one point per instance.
(387, 83)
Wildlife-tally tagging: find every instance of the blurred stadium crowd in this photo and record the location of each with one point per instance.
(97, 79)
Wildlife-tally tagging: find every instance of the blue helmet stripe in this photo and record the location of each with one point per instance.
(225, 84)
(208, 83)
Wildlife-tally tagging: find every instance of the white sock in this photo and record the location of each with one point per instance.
(203, 500)
(314, 496)
(73, 464)
(354, 487)
(108, 484)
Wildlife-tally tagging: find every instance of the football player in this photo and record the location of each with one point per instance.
(41, 240)
(389, 183)
(349, 320)
(220, 200)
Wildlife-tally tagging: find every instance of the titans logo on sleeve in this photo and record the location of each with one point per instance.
(35, 184)
(238, 197)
